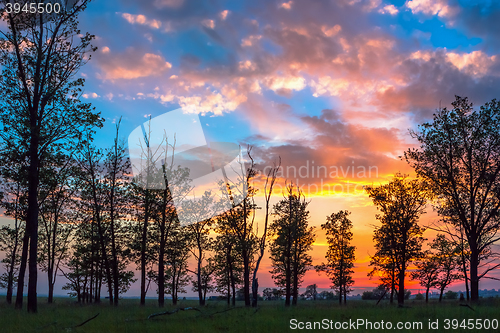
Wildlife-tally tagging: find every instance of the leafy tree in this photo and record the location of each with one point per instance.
(238, 220)
(450, 294)
(376, 294)
(229, 265)
(311, 291)
(10, 241)
(459, 156)
(272, 294)
(117, 166)
(398, 240)
(93, 203)
(13, 201)
(292, 241)
(40, 55)
(340, 255)
(326, 295)
(200, 242)
(447, 257)
(176, 261)
(427, 272)
(58, 187)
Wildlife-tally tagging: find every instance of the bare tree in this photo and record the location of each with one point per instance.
(268, 191)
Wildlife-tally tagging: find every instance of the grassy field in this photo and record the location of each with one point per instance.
(64, 315)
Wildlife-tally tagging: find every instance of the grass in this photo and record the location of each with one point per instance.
(65, 314)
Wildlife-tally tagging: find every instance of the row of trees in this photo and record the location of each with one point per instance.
(52, 174)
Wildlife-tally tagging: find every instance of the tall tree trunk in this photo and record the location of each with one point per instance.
(198, 275)
(50, 298)
(233, 287)
(401, 291)
(427, 295)
(10, 279)
(246, 274)
(464, 270)
(22, 270)
(105, 258)
(114, 265)
(161, 267)
(288, 281)
(228, 273)
(295, 290)
(143, 247)
(32, 214)
(474, 280)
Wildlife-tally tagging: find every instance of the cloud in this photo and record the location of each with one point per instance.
(223, 15)
(389, 9)
(475, 63)
(131, 65)
(440, 8)
(287, 5)
(142, 20)
(90, 95)
(208, 23)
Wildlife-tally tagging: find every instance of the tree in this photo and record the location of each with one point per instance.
(326, 295)
(459, 156)
(58, 187)
(9, 244)
(268, 191)
(340, 255)
(447, 258)
(292, 241)
(93, 202)
(13, 201)
(40, 55)
(311, 291)
(376, 294)
(239, 217)
(200, 242)
(229, 265)
(398, 240)
(117, 166)
(272, 294)
(450, 294)
(176, 261)
(427, 272)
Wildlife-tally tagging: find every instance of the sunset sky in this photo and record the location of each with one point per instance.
(331, 84)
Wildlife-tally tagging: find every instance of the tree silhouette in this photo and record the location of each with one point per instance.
(340, 255)
(427, 272)
(292, 241)
(398, 240)
(40, 107)
(459, 156)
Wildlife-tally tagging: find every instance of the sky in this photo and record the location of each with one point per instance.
(331, 87)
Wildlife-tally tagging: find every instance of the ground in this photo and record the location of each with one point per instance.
(64, 315)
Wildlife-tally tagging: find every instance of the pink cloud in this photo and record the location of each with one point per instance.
(131, 65)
